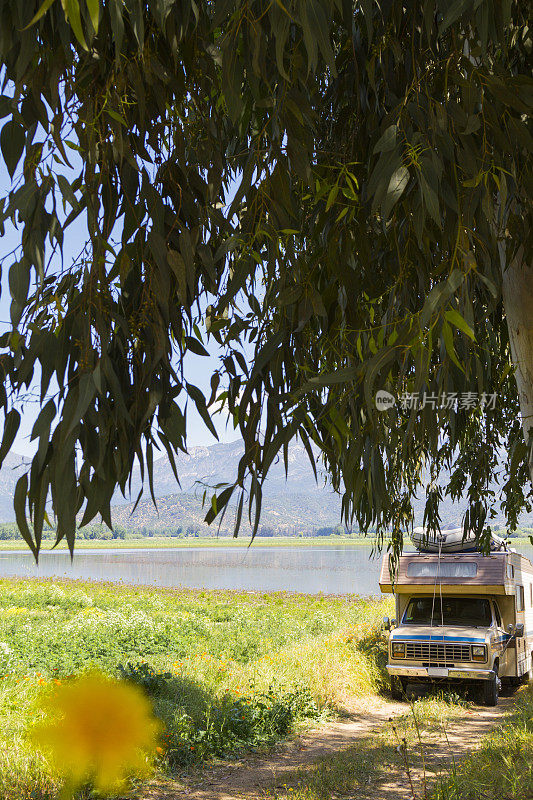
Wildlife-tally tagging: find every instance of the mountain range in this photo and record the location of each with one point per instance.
(292, 504)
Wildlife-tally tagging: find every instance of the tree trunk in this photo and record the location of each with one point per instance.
(518, 305)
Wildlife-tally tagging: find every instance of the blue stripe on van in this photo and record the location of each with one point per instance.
(426, 638)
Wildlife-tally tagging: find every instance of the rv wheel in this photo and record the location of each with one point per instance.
(491, 690)
(397, 687)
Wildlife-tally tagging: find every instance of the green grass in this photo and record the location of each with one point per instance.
(227, 672)
(502, 767)
(165, 542)
(150, 542)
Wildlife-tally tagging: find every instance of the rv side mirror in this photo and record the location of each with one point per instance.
(510, 628)
(519, 630)
(393, 623)
(386, 623)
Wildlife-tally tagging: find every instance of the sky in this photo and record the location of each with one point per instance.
(199, 369)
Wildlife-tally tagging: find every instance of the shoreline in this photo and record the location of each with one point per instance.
(166, 543)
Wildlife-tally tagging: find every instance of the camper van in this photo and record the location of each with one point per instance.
(460, 618)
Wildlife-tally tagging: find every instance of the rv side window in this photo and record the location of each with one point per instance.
(510, 571)
(519, 598)
(497, 615)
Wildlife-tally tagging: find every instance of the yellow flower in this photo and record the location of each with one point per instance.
(97, 729)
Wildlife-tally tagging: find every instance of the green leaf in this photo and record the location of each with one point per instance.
(116, 13)
(44, 420)
(218, 503)
(232, 81)
(332, 196)
(342, 214)
(330, 379)
(137, 21)
(67, 192)
(310, 38)
(174, 426)
(6, 106)
(321, 29)
(340, 422)
(396, 188)
(19, 280)
(289, 295)
(12, 141)
(456, 319)
(19, 504)
(195, 346)
(73, 17)
(368, 9)
(11, 426)
(86, 393)
(387, 142)
(280, 23)
(447, 336)
(177, 265)
(41, 12)
(238, 515)
(439, 296)
(94, 12)
(431, 200)
(117, 117)
(201, 407)
(455, 9)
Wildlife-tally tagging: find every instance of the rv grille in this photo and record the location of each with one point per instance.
(437, 651)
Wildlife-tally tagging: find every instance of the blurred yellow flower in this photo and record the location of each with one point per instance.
(97, 729)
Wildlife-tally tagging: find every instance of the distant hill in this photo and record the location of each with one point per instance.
(293, 504)
(283, 514)
(12, 469)
(297, 502)
(218, 463)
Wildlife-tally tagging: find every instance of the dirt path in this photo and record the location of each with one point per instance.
(461, 736)
(254, 776)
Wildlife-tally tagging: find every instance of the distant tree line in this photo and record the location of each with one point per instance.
(9, 531)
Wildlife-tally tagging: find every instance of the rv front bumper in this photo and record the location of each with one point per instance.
(464, 673)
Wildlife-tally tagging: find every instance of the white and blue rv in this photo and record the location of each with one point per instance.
(460, 617)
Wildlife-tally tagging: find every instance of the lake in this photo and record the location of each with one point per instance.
(335, 569)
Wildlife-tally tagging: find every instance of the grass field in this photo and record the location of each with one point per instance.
(226, 672)
(166, 542)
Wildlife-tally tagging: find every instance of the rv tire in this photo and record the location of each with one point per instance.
(491, 690)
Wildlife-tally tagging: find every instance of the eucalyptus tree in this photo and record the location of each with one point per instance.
(337, 194)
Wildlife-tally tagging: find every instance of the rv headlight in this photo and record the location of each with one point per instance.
(479, 652)
(398, 649)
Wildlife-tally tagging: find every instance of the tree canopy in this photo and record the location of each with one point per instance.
(331, 191)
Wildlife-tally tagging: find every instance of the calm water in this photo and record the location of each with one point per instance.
(332, 570)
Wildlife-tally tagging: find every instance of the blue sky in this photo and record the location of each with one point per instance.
(199, 369)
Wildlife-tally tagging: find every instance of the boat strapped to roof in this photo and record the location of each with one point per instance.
(451, 540)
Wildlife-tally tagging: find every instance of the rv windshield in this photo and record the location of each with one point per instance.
(454, 611)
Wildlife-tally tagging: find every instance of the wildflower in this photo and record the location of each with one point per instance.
(97, 729)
